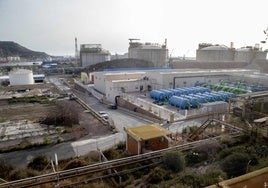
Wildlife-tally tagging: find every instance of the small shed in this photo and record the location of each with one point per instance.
(147, 138)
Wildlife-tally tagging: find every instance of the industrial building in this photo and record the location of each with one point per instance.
(117, 83)
(91, 54)
(146, 138)
(155, 53)
(222, 53)
(21, 77)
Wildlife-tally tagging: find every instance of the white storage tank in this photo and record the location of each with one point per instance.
(21, 77)
(215, 53)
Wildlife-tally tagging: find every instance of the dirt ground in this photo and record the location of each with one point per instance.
(88, 127)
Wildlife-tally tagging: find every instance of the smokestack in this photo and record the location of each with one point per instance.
(76, 51)
(232, 45)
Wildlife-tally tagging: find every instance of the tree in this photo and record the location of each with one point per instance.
(235, 164)
(174, 161)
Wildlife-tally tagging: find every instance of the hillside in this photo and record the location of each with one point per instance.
(10, 48)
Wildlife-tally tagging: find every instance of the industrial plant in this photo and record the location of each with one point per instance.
(144, 112)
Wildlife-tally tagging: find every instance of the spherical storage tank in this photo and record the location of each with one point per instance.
(215, 53)
(21, 77)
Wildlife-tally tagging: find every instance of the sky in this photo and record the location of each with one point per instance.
(52, 25)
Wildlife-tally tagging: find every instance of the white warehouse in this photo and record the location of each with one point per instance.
(114, 83)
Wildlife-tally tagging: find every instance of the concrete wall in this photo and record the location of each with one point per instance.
(88, 59)
(128, 105)
(214, 55)
(159, 57)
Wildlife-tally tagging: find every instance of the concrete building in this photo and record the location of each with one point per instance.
(91, 54)
(158, 54)
(146, 138)
(21, 77)
(116, 83)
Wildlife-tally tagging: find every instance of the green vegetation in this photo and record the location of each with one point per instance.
(174, 161)
(203, 166)
(34, 99)
(38, 163)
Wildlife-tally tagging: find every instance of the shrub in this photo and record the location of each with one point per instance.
(75, 164)
(21, 174)
(38, 163)
(213, 175)
(191, 179)
(192, 158)
(174, 161)
(5, 170)
(157, 175)
(235, 164)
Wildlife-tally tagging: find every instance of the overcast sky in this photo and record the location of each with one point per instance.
(52, 25)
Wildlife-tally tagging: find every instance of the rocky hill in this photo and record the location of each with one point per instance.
(9, 48)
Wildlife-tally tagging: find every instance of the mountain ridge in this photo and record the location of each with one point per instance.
(10, 48)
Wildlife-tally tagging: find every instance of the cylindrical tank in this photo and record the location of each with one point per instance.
(208, 97)
(183, 90)
(249, 54)
(179, 102)
(21, 77)
(167, 93)
(217, 53)
(157, 95)
(216, 96)
(192, 100)
(200, 98)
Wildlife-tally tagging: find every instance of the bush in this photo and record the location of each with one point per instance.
(5, 170)
(191, 179)
(192, 158)
(174, 161)
(75, 164)
(235, 164)
(38, 163)
(18, 174)
(111, 154)
(213, 175)
(157, 175)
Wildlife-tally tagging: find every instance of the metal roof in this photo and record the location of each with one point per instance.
(147, 132)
